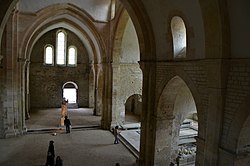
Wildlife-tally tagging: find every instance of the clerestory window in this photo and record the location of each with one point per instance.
(49, 55)
(63, 56)
(179, 37)
(72, 55)
(60, 48)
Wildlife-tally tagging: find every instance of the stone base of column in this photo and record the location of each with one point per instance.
(12, 133)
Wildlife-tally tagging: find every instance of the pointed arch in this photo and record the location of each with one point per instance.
(175, 103)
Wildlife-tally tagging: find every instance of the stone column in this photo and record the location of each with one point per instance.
(148, 126)
(98, 89)
(24, 112)
(92, 86)
(217, 74)
(163, 140)
(116, 118)
(2, 97)
(106, 96)
(200, 144)
(13, 117)
(27, 94)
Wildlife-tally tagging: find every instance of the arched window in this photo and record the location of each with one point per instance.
(49, 55)
(63, 56)
(179, 37)
(61, 45)
(112, 9)
(72, 56)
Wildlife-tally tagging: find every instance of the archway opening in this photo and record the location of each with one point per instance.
(70, 93)
(127, 75)
(133, 107)
(177, 124)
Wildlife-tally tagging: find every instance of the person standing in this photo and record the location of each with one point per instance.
(116, 133)
(67, 124)
(50, 154)
(64, 110)
(178, 160)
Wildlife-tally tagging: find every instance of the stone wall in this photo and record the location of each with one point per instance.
(46, 81)
(236, 104)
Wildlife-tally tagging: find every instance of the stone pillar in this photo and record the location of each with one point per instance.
(92, 87)
(216, 89)
(106, 96)
(98, 89)
(13, 116)
(200, 145)
(22, 63)
(148, 126)
(2, 97)
(116, 112)
(27, 94)
(163, 140)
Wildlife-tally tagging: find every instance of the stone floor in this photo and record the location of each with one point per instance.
(86, 145)
(81, 147)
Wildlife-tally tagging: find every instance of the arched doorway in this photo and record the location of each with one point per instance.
(176, 111)
(133, 109)
(70, 91)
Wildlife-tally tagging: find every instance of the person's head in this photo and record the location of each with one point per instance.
(116, 127)
(66, 117)
(51, 142)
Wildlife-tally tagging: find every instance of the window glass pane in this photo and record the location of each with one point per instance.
(72, 56)
(49, 55)
(60, 48)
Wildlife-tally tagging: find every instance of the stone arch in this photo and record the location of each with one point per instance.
(235, 146)
(72, 85)
(123, 20)
(79, 24)
(125, 66)
(133, 104)
(176, 95)
(143, 28)
(70, 82)
(201, 113)
(217, 43)
(135, 10)
(7, 8)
